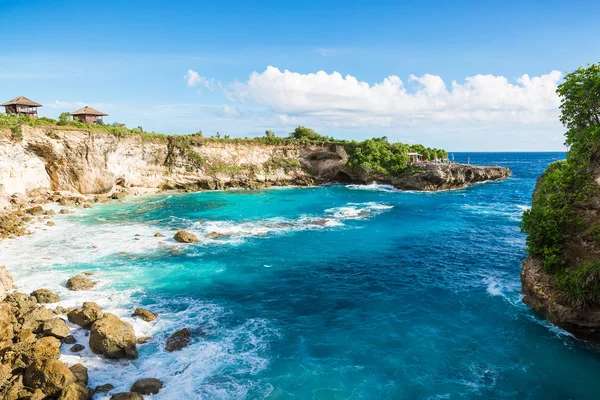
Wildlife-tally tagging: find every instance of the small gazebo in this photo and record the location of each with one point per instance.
(21, 106)
(415, 158)
(88, 115)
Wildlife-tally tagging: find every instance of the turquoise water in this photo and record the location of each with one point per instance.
(338, 292)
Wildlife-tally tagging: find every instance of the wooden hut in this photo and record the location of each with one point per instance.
(89, 115)
(415, 158)
(21, 106)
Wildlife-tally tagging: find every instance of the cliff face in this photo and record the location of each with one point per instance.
(90, 163)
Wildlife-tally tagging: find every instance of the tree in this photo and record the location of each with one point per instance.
(303, 133)
(64, 118)
(269, 134)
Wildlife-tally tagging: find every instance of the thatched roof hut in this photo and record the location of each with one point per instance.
(89, 115)
(21, 106)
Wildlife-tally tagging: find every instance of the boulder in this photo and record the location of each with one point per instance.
(69, 340)
(215, 235)
(76, 348)
(185, 237)
(146, 315)
(65, 211)
(75, 391)
(113, 338)
(107, 387)
(50, 376)
(44, 296)
(6, 282)
(80, 372)
(158, 234)
(36, 318)
(126, 396)
(147, 386)
(47, 347)
(50, 223)
(20, 304)
(37, 210)
(49, 212)
(86, 315)
(80, 282)
(120, 195)
(144, 339)
(56, 327)
(178, 340)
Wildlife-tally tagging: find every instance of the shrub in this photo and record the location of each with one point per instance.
(580, 287)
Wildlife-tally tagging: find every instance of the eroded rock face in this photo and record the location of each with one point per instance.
(539, 294)
(80, 282)
(185, 237)
(433, 177)
(75, 391)
(6, 282)
(113, 338)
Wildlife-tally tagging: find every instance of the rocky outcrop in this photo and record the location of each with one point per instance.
(185, 237)
(433, 177)
(45, 296)
(540, 294)
(113, 338)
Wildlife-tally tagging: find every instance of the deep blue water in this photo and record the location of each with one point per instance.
(338, 292)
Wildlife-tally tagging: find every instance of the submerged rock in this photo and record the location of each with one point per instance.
(107, 387)
(113, 338)
(44, 296)
(178, 340)
(147, 386)
(146, 315)
(216, 235)
(80, 282)
(76, 348)
(126, 396)
(185, 237)
(144, 339)
(69, 339)
(86, 315)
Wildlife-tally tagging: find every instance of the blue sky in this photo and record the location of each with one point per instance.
(185, 66)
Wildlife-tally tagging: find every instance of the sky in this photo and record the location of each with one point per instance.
(464, 76)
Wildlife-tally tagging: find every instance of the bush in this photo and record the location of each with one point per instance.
(580, 287)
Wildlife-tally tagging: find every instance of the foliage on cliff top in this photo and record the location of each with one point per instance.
(553, 219)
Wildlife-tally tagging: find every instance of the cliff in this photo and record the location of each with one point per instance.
(92, 162)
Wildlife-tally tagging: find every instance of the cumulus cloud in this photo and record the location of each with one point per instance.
(346, 101)
(194, 79)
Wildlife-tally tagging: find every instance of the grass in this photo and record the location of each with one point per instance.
(580, 286)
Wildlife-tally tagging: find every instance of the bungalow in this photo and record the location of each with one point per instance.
(415, 158)
(21, 106)
(89, 116)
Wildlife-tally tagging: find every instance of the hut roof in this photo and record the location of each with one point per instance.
(21, 101)
(88, 111)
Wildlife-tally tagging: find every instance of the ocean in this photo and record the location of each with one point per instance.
(332, 292)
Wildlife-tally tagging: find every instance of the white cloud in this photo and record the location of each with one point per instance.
(345, 101)
(229, 111)
(194, 79)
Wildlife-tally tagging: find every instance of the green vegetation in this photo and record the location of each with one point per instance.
(553, 219)
(380, 156)
(282, 163)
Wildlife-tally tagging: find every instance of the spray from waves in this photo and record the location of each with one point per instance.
(513, 212)
(376, 187)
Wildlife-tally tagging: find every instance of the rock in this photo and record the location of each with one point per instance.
(50, 375)
(6, 282)
(86, 315)
(50, 223)
(79, 282)
(158, 234)
(120, 195)
(215, 235)
(87, 205)
(178, 340)
(147, 386)
(69, 339)
(126, 396)
(35, 319)
(49, 212)
(144, 339)
(107, 387)
(7, 327)
(88, 273)
(44, 348)
(56, 327)
(65, 211)
(146, 315)
(76, 348)
(65, 201)
(75, 391)
(80, 372)
(185, 237)
(20, 304)
(45, 296)
(113, 338)
(37, 210)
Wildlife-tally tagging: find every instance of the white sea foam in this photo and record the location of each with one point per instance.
(376, 187)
